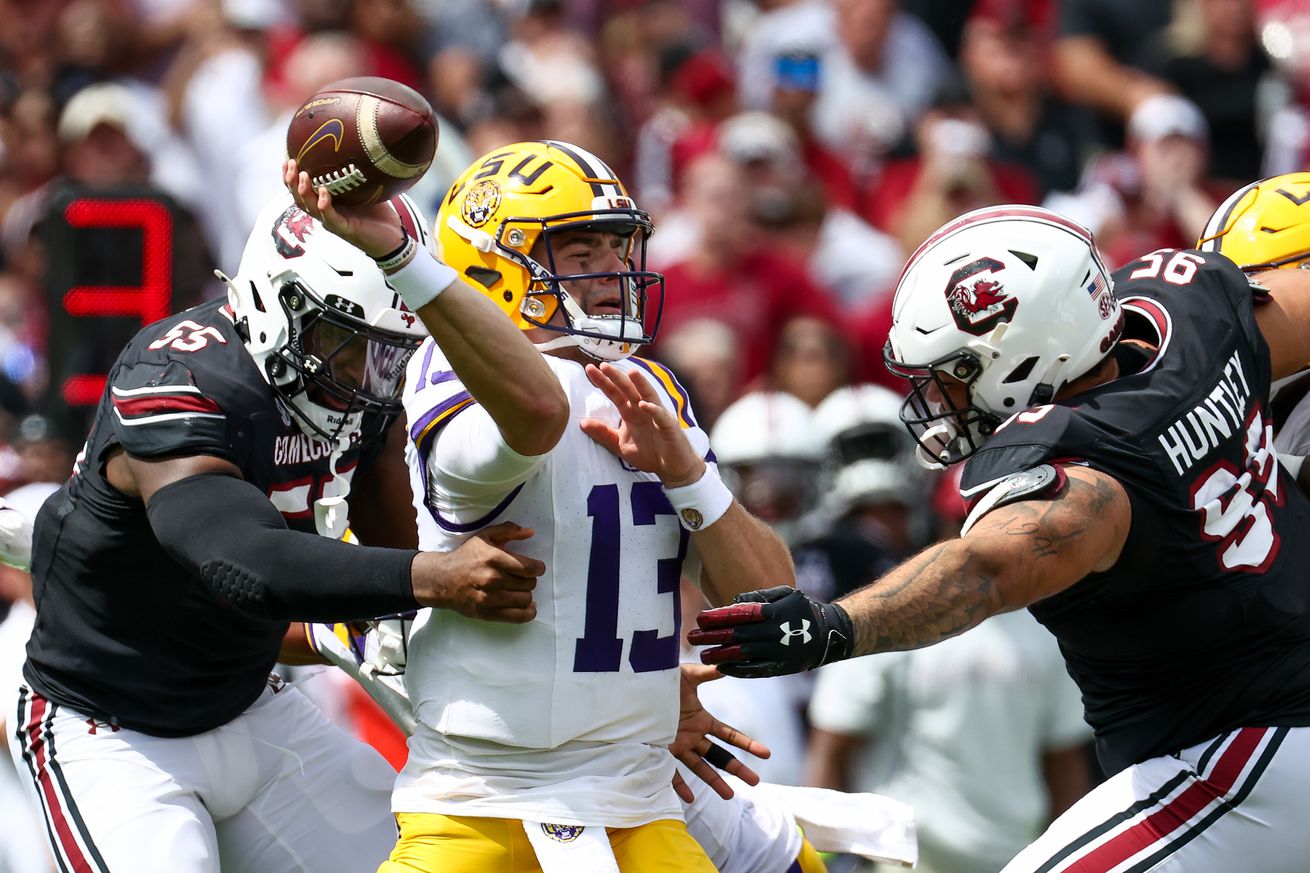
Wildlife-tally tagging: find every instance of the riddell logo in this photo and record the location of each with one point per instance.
(977, 300)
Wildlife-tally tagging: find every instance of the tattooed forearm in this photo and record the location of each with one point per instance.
(941, 592)
(1014, 556)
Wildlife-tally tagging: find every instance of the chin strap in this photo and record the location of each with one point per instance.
(332, 511)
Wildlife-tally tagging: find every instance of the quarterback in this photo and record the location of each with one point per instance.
(1124, 487)
(545, 747)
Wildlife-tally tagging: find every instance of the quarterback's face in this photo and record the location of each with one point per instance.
(583, 252)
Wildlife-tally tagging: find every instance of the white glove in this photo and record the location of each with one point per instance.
(367, 655)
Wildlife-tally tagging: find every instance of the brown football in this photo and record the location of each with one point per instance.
(365, 139)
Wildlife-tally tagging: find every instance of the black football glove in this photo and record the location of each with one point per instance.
(772, 632)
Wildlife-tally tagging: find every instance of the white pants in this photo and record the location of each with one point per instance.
(1240, 801)
(279, 789)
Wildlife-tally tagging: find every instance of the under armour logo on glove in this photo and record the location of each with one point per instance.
(772, 632)
(803, 632)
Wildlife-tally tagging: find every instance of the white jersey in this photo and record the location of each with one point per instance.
(565, 719)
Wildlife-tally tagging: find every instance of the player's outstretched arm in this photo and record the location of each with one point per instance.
(493, 359)
(738, 551)
(227, 533)
(1013, 556)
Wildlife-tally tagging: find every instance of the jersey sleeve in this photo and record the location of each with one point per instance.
(468, 458)
(159, 409)
(462, 459)
(1025, 440)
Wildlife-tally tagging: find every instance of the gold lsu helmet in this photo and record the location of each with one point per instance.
(496, 228)
(1263, 226)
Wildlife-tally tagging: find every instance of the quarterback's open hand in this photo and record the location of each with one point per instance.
(374, 229)
(771, 632)
(481, 579)
(693, 745)
(648, 438)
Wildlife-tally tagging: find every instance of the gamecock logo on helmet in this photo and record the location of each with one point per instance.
(292, 226)
(978, 301)
(481, 202)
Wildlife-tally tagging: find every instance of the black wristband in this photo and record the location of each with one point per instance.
(396, 252)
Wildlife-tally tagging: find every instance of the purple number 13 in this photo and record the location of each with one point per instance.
(599, 649)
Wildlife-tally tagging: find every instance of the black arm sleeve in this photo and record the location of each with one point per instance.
(225, 531)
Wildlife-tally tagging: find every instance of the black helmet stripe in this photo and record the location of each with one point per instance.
(592, 167)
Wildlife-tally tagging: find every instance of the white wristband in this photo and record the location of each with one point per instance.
(421, 280)
(701, 503)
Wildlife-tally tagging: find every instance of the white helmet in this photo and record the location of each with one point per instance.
(766, 447)
(764, 425)
(325, 329)
(868, 455)
(1014, 302)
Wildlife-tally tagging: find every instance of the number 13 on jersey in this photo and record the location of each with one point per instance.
(599, 649)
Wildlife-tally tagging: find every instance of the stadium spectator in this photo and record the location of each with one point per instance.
(1209, 55)
(1098, 55)
(706, 357)
(811, 359)
(730, 274)
(953, 171)
(1004, 56)
(1159, 193)
(869, 50)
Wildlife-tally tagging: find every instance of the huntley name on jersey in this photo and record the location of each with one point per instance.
(1224, 410)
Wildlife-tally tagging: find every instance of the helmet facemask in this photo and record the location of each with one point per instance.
(549, 305)
(340, 369)
(946, 432)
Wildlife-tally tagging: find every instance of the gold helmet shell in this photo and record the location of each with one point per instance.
(511, 199)
(1263, 226)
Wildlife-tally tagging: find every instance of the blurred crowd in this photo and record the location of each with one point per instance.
(793, 153)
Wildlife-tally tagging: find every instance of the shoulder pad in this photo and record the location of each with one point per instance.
(1046, 480)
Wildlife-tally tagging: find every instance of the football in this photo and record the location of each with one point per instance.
(365, 139)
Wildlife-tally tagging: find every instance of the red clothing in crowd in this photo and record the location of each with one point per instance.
(754, 297)
(1013, 185)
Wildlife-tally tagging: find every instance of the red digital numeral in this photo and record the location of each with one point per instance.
(149, 301)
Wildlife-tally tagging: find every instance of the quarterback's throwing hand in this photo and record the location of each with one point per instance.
(772, 632)
(481, 579)
(374, 229)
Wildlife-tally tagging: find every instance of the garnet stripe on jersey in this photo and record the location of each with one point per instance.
(1164, 824)
(155, 404)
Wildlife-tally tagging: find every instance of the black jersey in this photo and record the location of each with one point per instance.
(1203, 625)
(122, 632)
